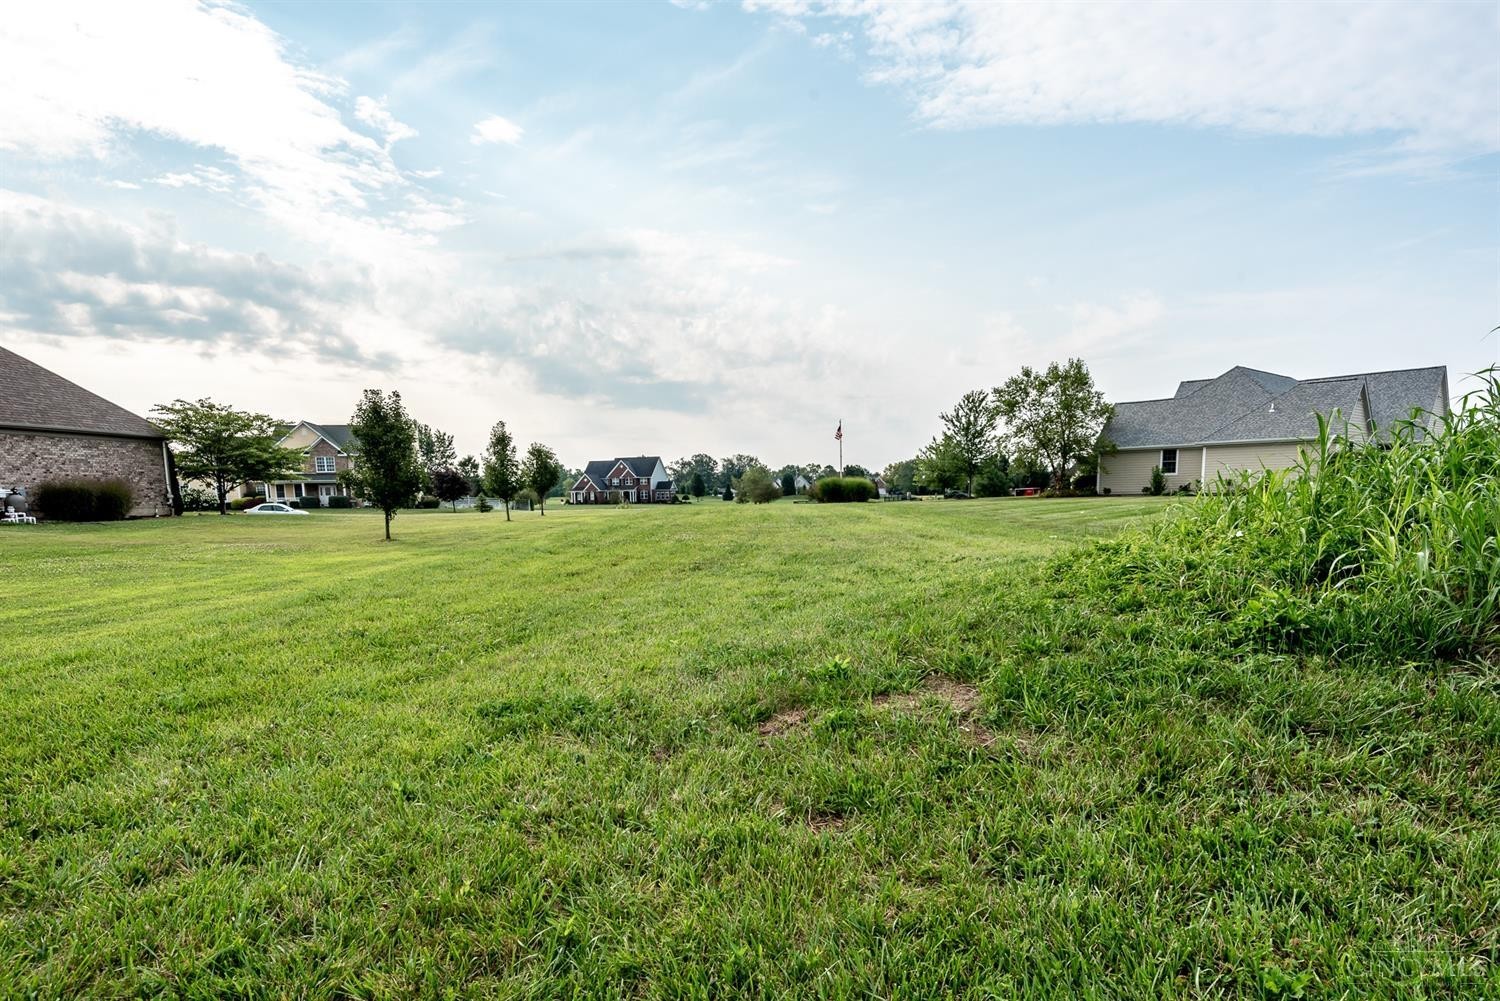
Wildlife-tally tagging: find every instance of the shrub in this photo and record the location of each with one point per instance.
(757, 485)
(338, 501)
(1105, 491)
(482, 505)
(83, 500)
(843, 489)
(427, 503)
(198, 499)
(1384, 549)
(244, 502)
(1158, 482)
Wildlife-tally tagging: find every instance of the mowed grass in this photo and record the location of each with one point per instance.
(714, 751)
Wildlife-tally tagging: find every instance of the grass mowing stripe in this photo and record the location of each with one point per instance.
(526, 759)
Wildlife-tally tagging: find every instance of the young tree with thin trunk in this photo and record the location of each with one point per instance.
(449, 485)
(1053, 417)
(385, 471)
(969, 433)
(502, 473)
(541, 471)
(223, 447)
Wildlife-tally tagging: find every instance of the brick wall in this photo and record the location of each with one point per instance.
(321, 447)
(27, 459)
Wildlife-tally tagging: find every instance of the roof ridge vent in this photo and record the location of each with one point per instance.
(1273, 406)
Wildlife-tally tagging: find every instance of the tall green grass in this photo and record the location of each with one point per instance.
(1386, 547)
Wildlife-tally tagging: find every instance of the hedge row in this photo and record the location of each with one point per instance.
(83, 500)
(843, 489)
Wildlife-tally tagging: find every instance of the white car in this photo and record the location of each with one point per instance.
(273, 509)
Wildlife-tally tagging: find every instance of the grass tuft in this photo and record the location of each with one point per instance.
(1380, 548)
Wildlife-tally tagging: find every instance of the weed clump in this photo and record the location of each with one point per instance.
(1383, 547)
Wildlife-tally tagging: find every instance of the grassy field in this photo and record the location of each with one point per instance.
(714, 751)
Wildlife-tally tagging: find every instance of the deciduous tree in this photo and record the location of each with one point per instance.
(502, 472)
(449, 485)
(969, 433)
(386, 471)
(541, 471)
(434, 451)
(699, 485)
(939, 466)
(702, 464)
(222, 447)
(1054, 416)
(756, 486)
(732, 467)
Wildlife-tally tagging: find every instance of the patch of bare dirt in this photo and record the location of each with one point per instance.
(782, 722)
(824, 821)
(963, 699)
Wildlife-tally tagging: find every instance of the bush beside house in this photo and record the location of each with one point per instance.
(83, 500)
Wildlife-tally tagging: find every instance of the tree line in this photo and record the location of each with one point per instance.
(1039, 428)
(399, 459)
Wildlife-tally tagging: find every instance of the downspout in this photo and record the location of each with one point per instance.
(1203, 470)
(174, 494)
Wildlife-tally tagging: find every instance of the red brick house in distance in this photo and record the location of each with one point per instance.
(640, 479)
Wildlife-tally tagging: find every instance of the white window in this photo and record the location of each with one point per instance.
(323, 464)
(1169, 461)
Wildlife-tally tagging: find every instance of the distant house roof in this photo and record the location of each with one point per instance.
(338, 435)
(33, 398)
(1245, 405)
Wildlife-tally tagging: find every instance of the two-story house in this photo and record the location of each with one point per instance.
(640, 479)
(327, 450)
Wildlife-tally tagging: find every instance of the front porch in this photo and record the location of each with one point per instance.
(322, 487)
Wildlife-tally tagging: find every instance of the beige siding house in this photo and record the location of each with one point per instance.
(327, 450)
(1249, 420)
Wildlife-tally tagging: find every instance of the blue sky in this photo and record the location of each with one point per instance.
(722, 227)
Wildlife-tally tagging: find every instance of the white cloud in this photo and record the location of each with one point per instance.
(78, 80)
(1423, 72)
(201, 176)
(496, 129)
(76, 273)
(376, 115)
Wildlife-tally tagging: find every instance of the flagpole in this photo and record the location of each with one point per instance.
(841, 447)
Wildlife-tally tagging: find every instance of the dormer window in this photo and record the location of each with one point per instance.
(323, 464)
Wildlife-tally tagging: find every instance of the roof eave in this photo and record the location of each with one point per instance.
(88, 432)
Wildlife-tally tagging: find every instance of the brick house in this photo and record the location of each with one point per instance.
(640, 479)
(327, 450)
(53, 429)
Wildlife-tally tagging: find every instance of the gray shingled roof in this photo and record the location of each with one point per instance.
(35, 398)
(1247, 404)
(339, 434)
(1291, 416)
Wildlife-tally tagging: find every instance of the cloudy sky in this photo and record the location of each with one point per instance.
(679, 227)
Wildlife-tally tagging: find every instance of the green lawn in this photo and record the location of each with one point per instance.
(706, 751)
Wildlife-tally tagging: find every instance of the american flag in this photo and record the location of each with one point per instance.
(839, 434)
